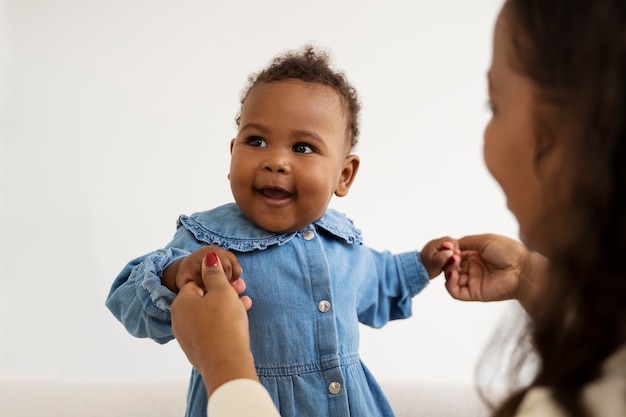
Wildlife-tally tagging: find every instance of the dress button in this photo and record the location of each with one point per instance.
(308, 234)
(334, 387)
(323, 306)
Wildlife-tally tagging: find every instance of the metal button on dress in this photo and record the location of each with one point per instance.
(323, 306)
(308, 235)
(334, 387)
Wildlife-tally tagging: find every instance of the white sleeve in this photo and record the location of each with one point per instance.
(538, 402)
(241, 397)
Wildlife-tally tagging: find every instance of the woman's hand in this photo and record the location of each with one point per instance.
(494, 268)
(212, 327)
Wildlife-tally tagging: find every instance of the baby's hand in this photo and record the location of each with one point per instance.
(190, 267)
(440, 254)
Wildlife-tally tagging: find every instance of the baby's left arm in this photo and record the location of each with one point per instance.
(439, 253)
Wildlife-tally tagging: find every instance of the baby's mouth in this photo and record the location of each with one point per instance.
(275, 193)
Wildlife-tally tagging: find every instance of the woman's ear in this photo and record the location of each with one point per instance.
(350, 168)
(547, 129)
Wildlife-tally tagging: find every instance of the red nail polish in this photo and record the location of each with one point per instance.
(210, 259)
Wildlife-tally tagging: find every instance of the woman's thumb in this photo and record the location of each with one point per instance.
(212, 271)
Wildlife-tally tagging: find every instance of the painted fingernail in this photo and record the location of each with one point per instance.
(210, 259)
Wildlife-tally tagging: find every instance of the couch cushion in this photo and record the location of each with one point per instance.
(65, 397)
(92, 397)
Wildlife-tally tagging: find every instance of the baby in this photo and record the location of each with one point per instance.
(311, 279)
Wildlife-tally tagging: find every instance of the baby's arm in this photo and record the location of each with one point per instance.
(391, 281)
(139, 300)
(140, 297)
(439, 253)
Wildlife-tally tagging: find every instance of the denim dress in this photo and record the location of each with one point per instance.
(310, 289)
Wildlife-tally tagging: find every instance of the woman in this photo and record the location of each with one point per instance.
(556, 144)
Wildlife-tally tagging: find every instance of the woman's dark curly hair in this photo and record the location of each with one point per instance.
(575, 53)
(312, 66)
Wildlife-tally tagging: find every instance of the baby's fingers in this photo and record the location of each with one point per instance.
(231, 266)
(239, 285)
(445, 258)
(246, 301)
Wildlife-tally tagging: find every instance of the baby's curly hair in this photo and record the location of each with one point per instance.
(312, 66)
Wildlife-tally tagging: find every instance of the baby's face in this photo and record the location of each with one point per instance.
(290, 155)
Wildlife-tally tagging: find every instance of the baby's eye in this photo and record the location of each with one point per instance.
(302, 148)
(256, 141)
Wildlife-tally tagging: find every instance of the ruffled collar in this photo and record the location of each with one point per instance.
(227, 227)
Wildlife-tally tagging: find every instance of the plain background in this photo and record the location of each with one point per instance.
(117, 116)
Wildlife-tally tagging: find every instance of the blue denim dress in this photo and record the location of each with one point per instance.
(310, 289)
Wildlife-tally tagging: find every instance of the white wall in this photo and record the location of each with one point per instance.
(117, 117)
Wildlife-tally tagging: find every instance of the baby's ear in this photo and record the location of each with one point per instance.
(350, 168)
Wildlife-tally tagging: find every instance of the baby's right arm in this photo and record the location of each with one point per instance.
(139, 300)
(142, 293)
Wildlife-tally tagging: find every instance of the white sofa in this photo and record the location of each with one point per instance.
(35, 397)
